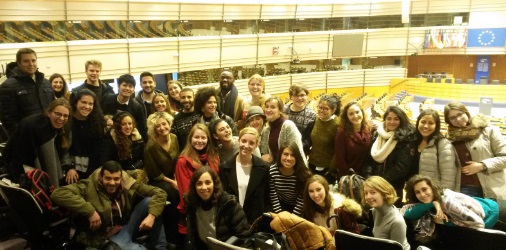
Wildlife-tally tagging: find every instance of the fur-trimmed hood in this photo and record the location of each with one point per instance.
(348, 205)
(135, 136)
(479, 121)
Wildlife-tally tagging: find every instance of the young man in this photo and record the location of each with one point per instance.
(145, 96)
(105, 202)
(111, 104)
(298, 111)
(231, 101)
(184, 120)
(92, 82)
(25, 92)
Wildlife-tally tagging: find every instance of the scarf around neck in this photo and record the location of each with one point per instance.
(384, 145)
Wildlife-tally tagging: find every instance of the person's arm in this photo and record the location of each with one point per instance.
(299, 206)
(463, 210)
(72, 198)
(275, 203)
(9, 113)
(306, 138)
(416, 211)
(183, 176)
(340, 153)
(498, 147)
(290, 133)
(151, 165)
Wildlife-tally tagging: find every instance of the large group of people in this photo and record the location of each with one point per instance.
(215, 161)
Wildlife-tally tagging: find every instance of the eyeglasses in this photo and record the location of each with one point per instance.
(301, 96)
(59, 115)
(457, 116)
(323, 108)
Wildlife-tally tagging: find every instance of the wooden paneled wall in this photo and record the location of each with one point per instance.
(458, 65)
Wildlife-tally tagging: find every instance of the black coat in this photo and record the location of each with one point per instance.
(257, 199)
(109, 152)
(21, 96)
(110, 106)
(230, 221)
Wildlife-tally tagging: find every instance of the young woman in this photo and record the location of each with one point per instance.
(353, 140)
(87, 135)
(161, 104)
(198, 152)
(255, 118)
(388, 221)
(393, 150)
(256, 87)
(160, 157)
(41, 141)
(319, 137)
(124, 143)
(320, 204)
(279, 132)
(287, 179)
(108, 123)
(424, 195)
(59, 86)
(481, 151)
(211, 212)
(174, 88)
(246, 176)
(207, 104)
(224, 141)
(435, 155)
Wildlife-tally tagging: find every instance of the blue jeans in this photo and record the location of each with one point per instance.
(156, 235)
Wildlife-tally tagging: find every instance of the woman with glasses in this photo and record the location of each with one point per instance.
(319, 137)
(298, 111)
(481, 154)
(40, 141)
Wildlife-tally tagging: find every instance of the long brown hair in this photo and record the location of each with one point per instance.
(123, 142)
(346, 123)
(63, 138)
(310, 207)
(302, 172)
(191, 153)
(437, 190)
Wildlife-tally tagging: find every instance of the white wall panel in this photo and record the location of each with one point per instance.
(314, 80)
(242, 11)
(312, 45)
(158, 55)
(286, 11)
(386, 8)
(419, 6)
(277, 84)
(112, 53)
(387, 42)
(345, 78)
(314, 11)
(197, 53)
(97, 10)
(140, 10)
(32, 10)
(351, 10)
(196, 11)
(448, 6)
(238, 50)
(487, 19)
(381, 77)
(488, 6)
(267, 41)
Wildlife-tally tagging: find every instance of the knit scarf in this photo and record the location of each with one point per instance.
(383, 145)
(469, 132)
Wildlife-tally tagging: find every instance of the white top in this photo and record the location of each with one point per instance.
(243, 173)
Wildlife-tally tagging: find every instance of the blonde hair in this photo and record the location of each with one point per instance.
(152, 122)
(382, 186)
(251, 131)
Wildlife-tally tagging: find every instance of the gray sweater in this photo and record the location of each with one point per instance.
(389, 224)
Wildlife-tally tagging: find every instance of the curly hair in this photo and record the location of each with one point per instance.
(152, 122)
(191, 153)
(437, 131)
(95, 117)
(333, 101)
(65, 89)
(192, 199)
(406, 130)
(202, 96)
(310, 207)
(437, 190)
(346, 123)
(123, 142)
(302, 172)
(382, 186)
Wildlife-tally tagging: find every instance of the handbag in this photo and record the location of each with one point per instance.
(267, 241)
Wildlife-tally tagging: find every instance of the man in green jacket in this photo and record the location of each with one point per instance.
(114, 208)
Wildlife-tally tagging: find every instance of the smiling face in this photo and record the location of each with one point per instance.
(325, 111)
(247, 143)
(255, 87)
(210, 107)
(427, 125)
(92, 74)
(458, 118)
(84, 106)
(226, 80)
(148, 84)
(272, 111)
(256, 122)
(317, 193)
(355, 115)
(205, 186)
(126, 89)
(159, 103)
(59, 116)
(162, 127)
(28, 64)
(299, 100)
(111, 181)
(423, 192)
(199, 140)
(57, 84)
(127, 126)
(373, 198)
(223, 132)
(174, 91)
(186, 100)
(392, 122)
(288, 159)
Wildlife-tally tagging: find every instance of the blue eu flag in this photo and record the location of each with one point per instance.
(495, 37)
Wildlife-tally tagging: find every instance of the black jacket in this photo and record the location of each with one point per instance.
(105, 89)
(148, 106)
(257, 199)
(109, 152)
(21, 96)
(230, 221)
(110, 106)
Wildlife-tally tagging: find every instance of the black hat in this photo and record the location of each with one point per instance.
(255, 111)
